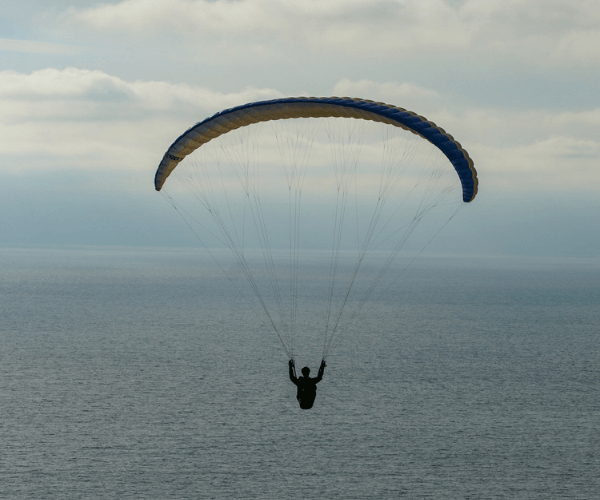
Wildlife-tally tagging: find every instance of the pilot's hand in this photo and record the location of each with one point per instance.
(291, 362)
(323, 365)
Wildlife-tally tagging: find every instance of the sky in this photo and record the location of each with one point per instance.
(92, 94)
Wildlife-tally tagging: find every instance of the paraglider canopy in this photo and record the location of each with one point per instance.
(315, 107)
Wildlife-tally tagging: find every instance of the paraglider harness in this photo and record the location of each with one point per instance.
(307, 387)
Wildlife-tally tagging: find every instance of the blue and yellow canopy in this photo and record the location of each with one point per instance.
(319, 107)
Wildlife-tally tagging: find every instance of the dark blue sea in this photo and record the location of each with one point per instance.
(139, 373)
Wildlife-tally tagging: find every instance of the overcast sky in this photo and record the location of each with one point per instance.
(92, 94)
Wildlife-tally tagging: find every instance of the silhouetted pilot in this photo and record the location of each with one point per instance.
(307, 387)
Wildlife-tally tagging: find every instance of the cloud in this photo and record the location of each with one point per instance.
(90, 119)
(84, 119)
(391, 92)
(581, 47)
(33, 47)
(561, 163)
(95, 85)
(535, 31)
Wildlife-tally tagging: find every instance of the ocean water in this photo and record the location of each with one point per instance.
(138, 373)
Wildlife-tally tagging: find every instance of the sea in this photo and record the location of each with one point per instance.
(139, 373)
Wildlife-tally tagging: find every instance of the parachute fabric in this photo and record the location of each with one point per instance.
(311, 107)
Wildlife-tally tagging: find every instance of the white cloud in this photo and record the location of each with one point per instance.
(96, 85)
(390, 92)
(33, 47)
(78, 94)
(528, 30)
(94, 120)
(558, 163)
(581, 47)
(77, 118)
(515, 128)
(54, 83)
